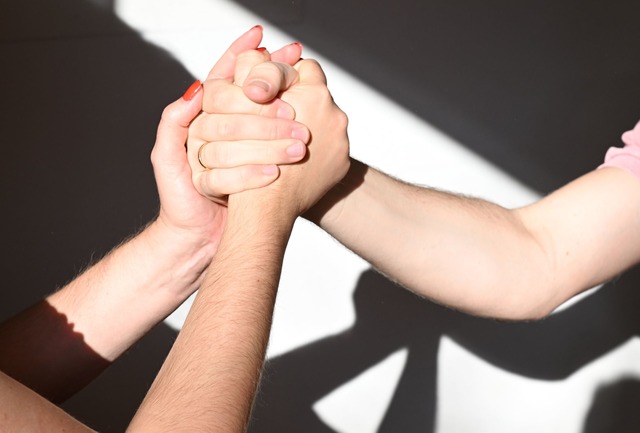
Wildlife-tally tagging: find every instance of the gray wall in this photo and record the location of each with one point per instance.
(540, 89)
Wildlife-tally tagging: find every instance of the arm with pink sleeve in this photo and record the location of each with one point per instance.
(627, 157)
(518, 263)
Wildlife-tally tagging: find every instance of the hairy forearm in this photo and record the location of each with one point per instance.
(137, 285)
(61, 344)
(209, 379)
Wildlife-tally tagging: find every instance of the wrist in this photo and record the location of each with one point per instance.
(141, 282)
(182, 256)
(330, 208)
(270, 209)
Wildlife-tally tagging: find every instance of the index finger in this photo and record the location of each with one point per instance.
(289, 54)
(226, 65)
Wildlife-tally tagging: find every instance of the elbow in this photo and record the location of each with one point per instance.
(529, 313)
(528, 291)
(523, 312)
(519, 304)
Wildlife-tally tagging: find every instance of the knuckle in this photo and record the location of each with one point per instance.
(267, 110)
(206, 183)
(218, 102)
(226, 129)
(213, 184)
(323, 95)
(342, 120)
(196, 179)
(170, 114)
(199, 127)
(250, 56)
(310, 62)
(215, 96)
(154, 156)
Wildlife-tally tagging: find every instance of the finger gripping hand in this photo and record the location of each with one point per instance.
(235, 144)
(232, 153)
(302, 185)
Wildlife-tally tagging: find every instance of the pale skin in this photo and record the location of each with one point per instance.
(115, 302)
(469, 253)
(225, 335)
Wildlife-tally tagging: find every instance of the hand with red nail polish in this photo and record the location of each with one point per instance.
(213, 368)
(260, 87)
(192, 227)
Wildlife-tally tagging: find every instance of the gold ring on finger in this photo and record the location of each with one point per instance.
(200, 156)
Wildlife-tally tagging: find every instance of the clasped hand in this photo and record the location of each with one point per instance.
(268, 113)
(263, 127)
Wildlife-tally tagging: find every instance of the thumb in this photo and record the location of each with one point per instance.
(173, 128)
(266, 80)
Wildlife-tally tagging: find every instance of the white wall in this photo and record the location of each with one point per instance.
(319, 277)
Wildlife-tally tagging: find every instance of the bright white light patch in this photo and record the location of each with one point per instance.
(359, 405)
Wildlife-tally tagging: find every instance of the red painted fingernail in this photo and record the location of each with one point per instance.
(257, 26)
(261, 49)
(298, 44)
(192, 90)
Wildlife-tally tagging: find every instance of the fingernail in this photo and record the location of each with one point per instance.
(298, 44)
(295, 150)
(261, 84)
(261, 49)
(300, 133)
(192, 90)
(285, 112)
(270, 170)
(257, 26)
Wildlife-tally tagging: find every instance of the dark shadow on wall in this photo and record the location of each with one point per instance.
(615, 408)
(539, 88)
(108, 4)
(82, 95)
(389, 318)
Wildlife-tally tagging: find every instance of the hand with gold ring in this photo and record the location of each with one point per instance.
(229, 153)
(184, 212)
(260, 85)
(232, 153)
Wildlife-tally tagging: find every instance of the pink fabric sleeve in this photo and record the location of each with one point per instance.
(627, 157)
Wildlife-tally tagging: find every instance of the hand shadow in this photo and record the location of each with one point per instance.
(389, 318)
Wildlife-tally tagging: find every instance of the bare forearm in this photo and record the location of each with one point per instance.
(209, 379)
(61, 344)
(480, 257)
(138, 284)
(462, 252)
(22, 410)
